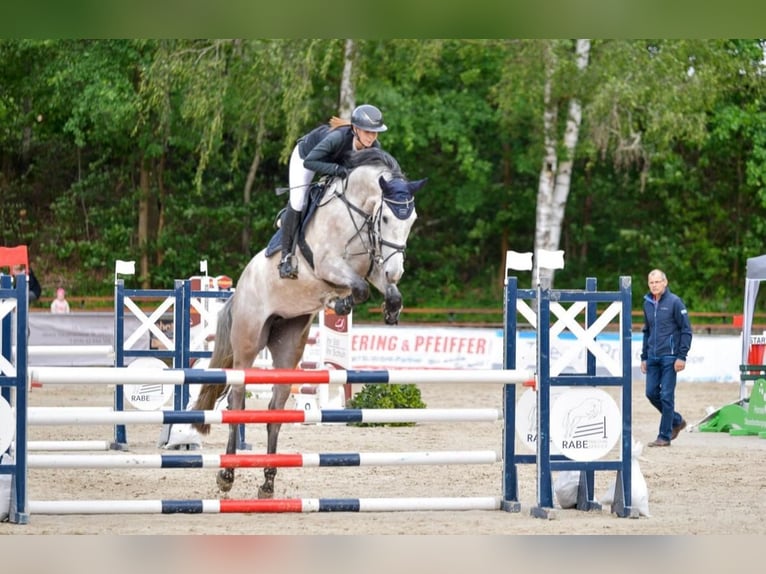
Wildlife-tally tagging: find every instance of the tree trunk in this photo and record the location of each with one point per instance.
(346, 103)
(555, 176)
(548, 170)
(504, 243)
(160, 255)
(143, 225)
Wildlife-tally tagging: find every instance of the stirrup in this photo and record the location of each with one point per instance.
(286, 268)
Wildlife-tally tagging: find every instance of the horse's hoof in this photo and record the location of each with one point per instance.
(392, 306)
(224, 480)
(263, 492)
(344, 306)
(391, 318)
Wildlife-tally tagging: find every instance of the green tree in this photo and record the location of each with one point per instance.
(168, 152)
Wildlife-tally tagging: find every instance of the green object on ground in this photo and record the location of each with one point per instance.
(744, 418)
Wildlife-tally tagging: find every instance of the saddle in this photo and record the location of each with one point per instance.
(315, 193)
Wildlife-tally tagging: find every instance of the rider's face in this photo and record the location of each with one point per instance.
(364, 139)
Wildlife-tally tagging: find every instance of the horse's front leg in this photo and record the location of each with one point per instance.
(392, 304)
(360, 292)
(279, 397)
(236, 401)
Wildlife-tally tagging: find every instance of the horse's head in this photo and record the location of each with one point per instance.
(394, 216)
(381, 206)
(387, 197)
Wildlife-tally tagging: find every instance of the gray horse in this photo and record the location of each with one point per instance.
(356, 237)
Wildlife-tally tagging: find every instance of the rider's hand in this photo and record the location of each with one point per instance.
(341, 172)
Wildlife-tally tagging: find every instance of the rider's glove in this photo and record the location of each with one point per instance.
(341, 172)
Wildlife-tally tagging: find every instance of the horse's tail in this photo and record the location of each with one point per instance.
(223, 358)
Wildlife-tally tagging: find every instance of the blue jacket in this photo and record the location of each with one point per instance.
(667, 330)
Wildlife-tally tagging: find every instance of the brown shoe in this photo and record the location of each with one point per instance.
(660, 442)
(677, 429)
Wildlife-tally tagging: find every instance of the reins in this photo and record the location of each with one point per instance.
(374, 241)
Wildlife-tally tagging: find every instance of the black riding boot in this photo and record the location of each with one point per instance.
(288, 269)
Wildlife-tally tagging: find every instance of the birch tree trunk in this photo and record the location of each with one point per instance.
(347, 98)
(556, 176)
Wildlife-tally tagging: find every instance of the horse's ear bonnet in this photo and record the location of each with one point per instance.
(398, 195)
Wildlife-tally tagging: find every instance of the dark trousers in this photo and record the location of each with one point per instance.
(661, 392)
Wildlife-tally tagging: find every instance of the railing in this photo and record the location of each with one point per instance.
(710, 322)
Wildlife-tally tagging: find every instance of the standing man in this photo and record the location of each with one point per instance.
(667, 339)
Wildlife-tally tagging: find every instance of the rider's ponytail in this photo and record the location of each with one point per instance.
(336, 122)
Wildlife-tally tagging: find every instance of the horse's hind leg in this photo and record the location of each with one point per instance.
(279, 397)
(286, 343)
(247, 339)
(225, 478)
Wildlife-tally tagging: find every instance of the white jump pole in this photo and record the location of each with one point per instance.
(52, 417)
(302, 505)
(67, 445)
(103, 351)
(187, 461)
(145, 376)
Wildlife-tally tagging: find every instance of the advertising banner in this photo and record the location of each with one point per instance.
(713, 358)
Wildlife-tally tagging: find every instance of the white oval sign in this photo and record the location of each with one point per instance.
(148, 397)
(526, 417)
(585, 423)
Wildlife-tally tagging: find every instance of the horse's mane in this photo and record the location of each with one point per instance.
(375, 156)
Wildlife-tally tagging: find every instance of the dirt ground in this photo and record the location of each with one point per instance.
(705, 483)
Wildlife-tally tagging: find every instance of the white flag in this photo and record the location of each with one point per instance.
(517, 261)
(203, 266)
(125, 267)
(550, 259)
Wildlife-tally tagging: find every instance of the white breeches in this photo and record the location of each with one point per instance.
(300, 178)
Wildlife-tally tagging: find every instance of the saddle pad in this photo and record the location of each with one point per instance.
(315, 193)
(275, 243)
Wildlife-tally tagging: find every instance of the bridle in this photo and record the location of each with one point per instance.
(370, 230)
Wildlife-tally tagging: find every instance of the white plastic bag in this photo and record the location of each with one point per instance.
(566, 486)
(5, 489)
(639, 492)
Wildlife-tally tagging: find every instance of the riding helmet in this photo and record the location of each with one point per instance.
(368, 118)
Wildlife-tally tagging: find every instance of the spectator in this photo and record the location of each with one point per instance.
(60, 304)
(34, 285)
(667, 339)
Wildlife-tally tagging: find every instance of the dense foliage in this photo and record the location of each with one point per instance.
(168, 152)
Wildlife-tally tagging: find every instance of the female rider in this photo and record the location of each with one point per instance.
(323, 151)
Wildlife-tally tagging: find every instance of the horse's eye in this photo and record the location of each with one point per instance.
(385, 219)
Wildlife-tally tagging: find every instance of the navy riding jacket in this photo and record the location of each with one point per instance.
(324, 148)
(667, 329)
